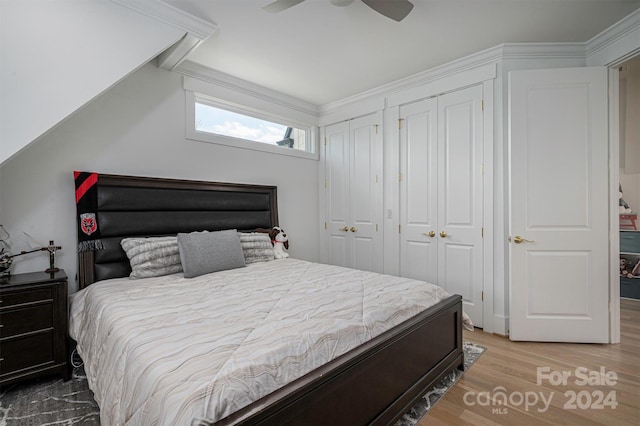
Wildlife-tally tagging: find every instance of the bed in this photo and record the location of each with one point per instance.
(375, 364)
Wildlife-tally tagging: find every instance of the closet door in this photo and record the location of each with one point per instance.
(353, 165)
(419, 190)
(460, 221)
(337, 175)
(441, 194)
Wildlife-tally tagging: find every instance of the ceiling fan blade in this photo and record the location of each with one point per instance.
(394, 9)
(280, 5)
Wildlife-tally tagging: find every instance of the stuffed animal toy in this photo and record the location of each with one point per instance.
(625, 268)
(280, 242)
(622, 204)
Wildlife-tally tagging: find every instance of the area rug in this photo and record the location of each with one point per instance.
(54, 402)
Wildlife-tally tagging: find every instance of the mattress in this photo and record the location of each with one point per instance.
(167, 350)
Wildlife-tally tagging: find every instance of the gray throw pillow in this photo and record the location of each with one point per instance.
(205, 252)
(152, 256)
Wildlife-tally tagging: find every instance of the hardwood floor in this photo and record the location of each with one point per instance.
(514, 366)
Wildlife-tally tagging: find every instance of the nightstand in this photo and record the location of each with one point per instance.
(33, 326)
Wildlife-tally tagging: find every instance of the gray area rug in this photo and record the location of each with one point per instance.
(54, 402)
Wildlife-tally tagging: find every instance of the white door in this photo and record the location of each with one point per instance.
(419, 190)
(337, 191)
(441, 194)
(559, 251)
(460, 221)
(353, 164)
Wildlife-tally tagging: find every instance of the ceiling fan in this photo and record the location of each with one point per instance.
(394, 9)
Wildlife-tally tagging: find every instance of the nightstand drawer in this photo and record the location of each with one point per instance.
(27, 351)
(24, 319)
(19, 297)
(34, 322)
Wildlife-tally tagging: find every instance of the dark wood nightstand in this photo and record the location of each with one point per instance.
(33, 326)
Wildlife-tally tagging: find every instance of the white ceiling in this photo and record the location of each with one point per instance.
(321, 53)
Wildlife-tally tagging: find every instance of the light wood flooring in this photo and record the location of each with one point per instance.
(514, 366)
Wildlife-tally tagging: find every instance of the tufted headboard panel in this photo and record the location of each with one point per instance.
(131, 206)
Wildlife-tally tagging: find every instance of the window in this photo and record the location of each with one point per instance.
(230, 125)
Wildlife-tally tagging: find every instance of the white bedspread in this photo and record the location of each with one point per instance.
(167, 350)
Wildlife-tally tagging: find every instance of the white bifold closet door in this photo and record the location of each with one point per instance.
(353, 199)
(441, 228)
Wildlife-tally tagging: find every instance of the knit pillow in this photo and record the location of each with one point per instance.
(256, 246)
(152, 256)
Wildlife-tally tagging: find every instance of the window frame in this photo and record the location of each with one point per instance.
(311, 134)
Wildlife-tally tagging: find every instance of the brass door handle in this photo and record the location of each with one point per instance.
(519, 240)
(345, 229)
(430, 234)
(353, 229)
(443, 234)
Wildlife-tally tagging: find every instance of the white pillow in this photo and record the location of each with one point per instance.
(256, 246)
(152, 256)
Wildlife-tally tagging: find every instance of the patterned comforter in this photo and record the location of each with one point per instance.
(168, 350)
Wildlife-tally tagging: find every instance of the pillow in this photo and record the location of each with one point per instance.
(152, 256)
(205, 252)
(256, 247)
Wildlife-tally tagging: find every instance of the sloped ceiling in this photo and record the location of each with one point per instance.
(58, 55)
(320, 53)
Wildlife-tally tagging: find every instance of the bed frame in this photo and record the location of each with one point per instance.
(375, 383)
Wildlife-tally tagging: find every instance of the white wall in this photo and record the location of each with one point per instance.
(138, 128)
(58, 55)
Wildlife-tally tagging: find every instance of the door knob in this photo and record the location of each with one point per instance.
(443, 234)
(430, 234)
(519, 240)
(353, 229)
(345, 229)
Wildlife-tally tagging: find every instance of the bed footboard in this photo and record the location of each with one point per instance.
(375, 383)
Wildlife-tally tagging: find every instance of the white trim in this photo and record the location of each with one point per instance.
(543, 51)
(232, 89)
(500, 325)
(470, 61)
(457, 74)
(351, 111)
(487, 208)
(439, 85)
(171, 15)
(391, 190)
(614, 217)
(322, 190)
(616, 44)
(173, 56)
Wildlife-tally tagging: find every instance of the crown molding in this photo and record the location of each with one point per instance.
(543, 51)
(176, 54)
(243, 87)
(476, 60)
(456, 66)
(613, 37)
(171, 15)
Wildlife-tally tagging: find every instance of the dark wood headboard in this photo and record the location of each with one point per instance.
(130, 206)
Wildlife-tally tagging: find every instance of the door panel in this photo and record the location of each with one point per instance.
(418, 190)
(559, 276)
(337, 198)
(366, 192)
(353, 165)
(441, 191)
(458, 270)
(460, 196)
